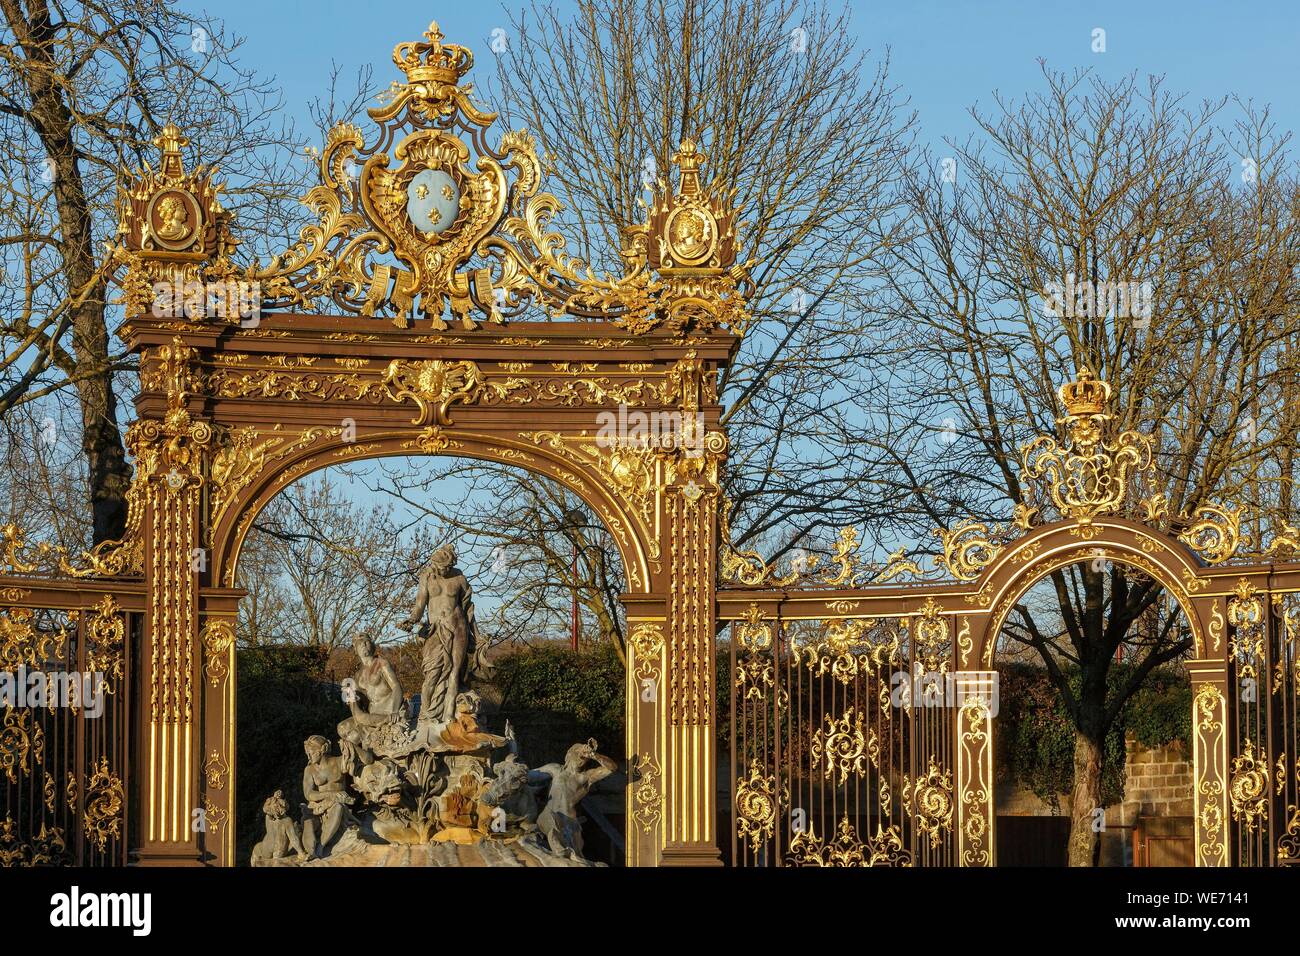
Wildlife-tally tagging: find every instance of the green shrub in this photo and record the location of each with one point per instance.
(554, 697)
(1035, 735)
(283, 696)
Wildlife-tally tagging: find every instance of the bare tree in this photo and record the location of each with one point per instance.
(85, 88)
(991, 304)
(320, 566)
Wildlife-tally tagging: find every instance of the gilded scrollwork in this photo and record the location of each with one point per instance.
(1246, 615)
(432, 441)
(1088, 476)
(843, 568)
(647, 793)
(1208, 746)
(22, 643)
(930, 798)
(967, 549)
(756, 805)
(243, 454)
(216, 770)
(105, 642)
(754, 666)
(975, 781)
(932, 643)
(102, 818)
(465, 221)
(1248, 787)
(22, 743)
(637, 475)
(841, 746)
(886, 849)
(647, 641)
(1214, 532)
(49, 847)
(434, 385)
(218, 638)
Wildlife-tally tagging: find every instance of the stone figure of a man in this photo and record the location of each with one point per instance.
(569, 783)
(448, 632)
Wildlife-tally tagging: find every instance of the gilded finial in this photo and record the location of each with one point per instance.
(433, 61)
(170, 142)
(688, 159)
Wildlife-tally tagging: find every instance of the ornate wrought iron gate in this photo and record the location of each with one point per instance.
(68, 681)
(839, 753)
(838, 757)
(835, 760)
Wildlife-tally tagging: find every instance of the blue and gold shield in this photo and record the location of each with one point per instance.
(432, 201)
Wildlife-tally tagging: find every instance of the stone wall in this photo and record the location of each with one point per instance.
(1158, 784)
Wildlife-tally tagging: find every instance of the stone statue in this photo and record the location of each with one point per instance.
(510, 792)
(449, 635)
(377, 688)
(428, 788)
(281, 833)
(462, 733)
(325, 788)
(569, 783)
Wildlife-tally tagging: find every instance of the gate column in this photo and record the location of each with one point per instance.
(1210, 760)
(975, 789)
(690, 755)
(170, 458)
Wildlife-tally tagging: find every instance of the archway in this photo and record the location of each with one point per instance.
(431, 349)
(1109, 541)
(1091, 681)
(545, 695)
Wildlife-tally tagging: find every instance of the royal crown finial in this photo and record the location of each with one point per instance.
(432, 61)
(1085, 396)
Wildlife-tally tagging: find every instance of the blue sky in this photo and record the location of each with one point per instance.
(946, 56)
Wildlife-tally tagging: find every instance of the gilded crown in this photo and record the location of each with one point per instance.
(431, 60)
(1085, 395)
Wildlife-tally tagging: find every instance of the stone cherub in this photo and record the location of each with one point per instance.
(569, 783)
(375, 686)
(449, 633)
(325, 788)
(281, 833)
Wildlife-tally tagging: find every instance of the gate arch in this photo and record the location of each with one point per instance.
(1031, 559)
(229, 536)
(1053, 546)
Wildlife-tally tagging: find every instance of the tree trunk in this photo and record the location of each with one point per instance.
(101, 442)
(51, 116)
(1085, 800)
